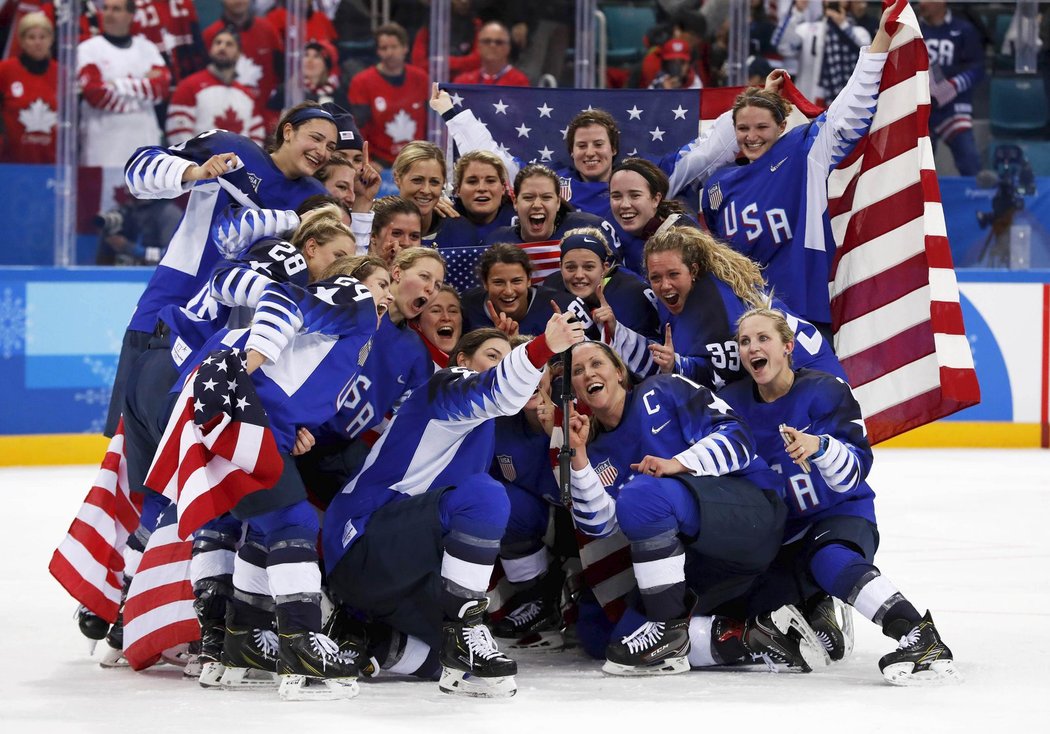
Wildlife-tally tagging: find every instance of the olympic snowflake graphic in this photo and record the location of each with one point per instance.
(12, 325)
(402, 128)
(38, 117)
(106, 369)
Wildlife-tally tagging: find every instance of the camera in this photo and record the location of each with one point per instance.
(111, 222)
(1013, 180)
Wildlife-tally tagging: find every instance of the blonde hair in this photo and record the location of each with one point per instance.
(413, 153)
(479, 156)
(321, 225)
(34, 20)
(359, 267)
(411, 255)
(596, 428)
(698, 248)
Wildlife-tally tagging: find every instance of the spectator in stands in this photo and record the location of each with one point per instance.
(389, 100)
(121, 78)
(320, 76)
(676, 67)
(175, 29)
(318, 25)
(463, 56)
(956, 66)
(28, 96)
(545, 32)
(213, 98)
(689, 26)
(494, 49)
(826, 50)
(261, 64)
(136, 231)
(865, 14)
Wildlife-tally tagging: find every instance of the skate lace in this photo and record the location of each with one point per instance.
(266, 641)
(324, 646)
(909, 640)
(770, 660)
(525, 613)
(645, 636)
(480, 643)
(825, 639)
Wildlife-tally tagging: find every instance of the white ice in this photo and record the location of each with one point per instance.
(963, 533)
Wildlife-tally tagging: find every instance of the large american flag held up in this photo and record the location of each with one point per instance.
(530, 122)
(89, 562)
(217, 447)
(894, 299)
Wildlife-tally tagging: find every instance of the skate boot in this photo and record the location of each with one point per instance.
(249, 658)
(91, 626)
(471, 663)
(534, 623)
(210, 606)
(113, 652)
(313, 667)
(833, 622)
(783, 639)
(920, 658)
(352, 636)
(655, 648)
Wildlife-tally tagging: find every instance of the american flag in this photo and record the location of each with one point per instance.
(529, 123)
(89, 562)
(158, 613)
(894, 299)
(217, 447)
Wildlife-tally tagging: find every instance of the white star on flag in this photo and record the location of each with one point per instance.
(501, 109)
(679, 112)
(231, 384)
(635, 113)
(523, 132)
(242, 403)
(564, 132)
(457, 101)
(657, 133)
(545, 153)
(210, 384)
(545, 111)
(198, 405)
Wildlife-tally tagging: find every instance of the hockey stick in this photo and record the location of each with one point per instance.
(565, 452)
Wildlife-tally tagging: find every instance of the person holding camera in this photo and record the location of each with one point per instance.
(676, 67)
(826, 50)
(136, 232)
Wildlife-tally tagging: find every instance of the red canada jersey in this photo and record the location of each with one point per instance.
(508, 77)
(260, 48)
(171, 25)
(318, 26)
(203, 102)
(29, 106)
(399, 113)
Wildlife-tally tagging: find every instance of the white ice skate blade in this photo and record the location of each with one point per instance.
(112, 658)
(302, 688)
(193, 668)
(539, 642)
(459, 683)
(940, 672)
(91, 647)
(670, 666)
(809, 645)
(845, 615)
(179, 655)
(239, 678)
(211, 674)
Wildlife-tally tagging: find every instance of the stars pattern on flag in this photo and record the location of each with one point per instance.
(533, 124)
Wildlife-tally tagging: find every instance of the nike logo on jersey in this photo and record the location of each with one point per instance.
(660, 428)
(400, 379)
(773, 169)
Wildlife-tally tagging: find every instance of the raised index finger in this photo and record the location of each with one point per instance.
(555, 306)
(364, 150)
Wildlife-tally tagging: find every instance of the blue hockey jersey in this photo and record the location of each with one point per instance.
(818, 404)
(523, 458)
(630, 298)
(476, 315)
(441, 433)
(461, 242)
(156, 173)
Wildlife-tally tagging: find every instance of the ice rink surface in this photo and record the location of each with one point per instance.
(964, 532)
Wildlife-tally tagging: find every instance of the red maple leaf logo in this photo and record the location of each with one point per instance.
(230, 121)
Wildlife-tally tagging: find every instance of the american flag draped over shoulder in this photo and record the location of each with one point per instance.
(894, 299)
(158, 613)
(89, 562)
(530, 122)
(217, 447)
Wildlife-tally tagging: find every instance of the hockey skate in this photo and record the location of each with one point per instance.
(208, 668)
(655, 648)
(920, 658)
(783, 639)
(113, 652)
(832, 620)
(534, 622)
(471, 663)
(92, 626)
(351, 635)
(314, 668)
(248, 660)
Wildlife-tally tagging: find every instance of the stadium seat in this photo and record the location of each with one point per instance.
(626, 26)
(1018, 105)
(208, 11)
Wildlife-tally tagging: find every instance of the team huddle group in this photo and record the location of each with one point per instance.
(412, 356)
